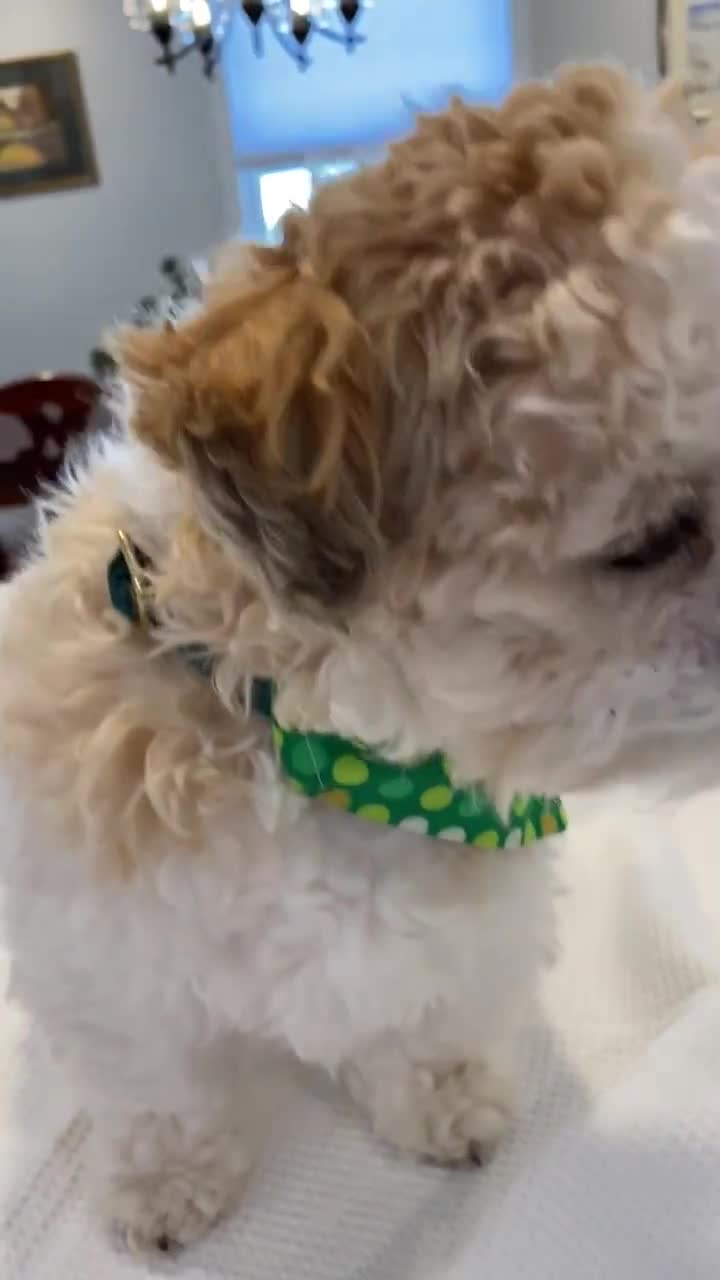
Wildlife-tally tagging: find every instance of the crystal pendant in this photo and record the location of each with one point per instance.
(253, 10)
(179, 26)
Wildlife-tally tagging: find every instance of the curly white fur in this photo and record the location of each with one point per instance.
(383, 956)
(174, 911)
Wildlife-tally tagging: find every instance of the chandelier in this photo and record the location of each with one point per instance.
(179, 26)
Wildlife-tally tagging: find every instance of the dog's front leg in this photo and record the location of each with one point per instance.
(174, 1096)
(427, 1101)
(419, 993)
(171, 1144)
(165, 1178)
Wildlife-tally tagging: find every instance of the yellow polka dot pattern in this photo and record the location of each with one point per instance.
(374, 813)
(335, 799)
(350, 771)
(418, 798)
(436, 798)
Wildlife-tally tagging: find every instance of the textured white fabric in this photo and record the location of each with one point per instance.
(613, 1171)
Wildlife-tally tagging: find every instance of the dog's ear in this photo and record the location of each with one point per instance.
(269, 398)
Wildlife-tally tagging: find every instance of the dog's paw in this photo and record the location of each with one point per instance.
(461, 1113)
(161, 1213)
(168, 1181)
(451, 1115)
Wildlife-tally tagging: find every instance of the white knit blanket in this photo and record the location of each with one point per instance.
(613, 1172)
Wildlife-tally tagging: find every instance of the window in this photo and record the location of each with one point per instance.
(265, 195)
(280, 189)
(293, 131)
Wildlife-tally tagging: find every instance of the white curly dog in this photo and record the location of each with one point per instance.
(444, 466)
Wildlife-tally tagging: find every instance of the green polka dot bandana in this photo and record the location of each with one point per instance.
(418, 797)
(345, 776)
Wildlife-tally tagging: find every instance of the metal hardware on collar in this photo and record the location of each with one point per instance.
(137, 600)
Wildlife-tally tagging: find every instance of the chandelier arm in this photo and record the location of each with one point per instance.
(290, 46)
(175, 26)
(337, 37)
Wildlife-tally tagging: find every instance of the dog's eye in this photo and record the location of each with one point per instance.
(684, 531)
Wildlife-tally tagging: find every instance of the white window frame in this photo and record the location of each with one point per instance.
(249, 178)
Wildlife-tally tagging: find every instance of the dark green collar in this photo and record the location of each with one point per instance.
(345, 775)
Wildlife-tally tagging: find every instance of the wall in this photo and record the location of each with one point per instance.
(71, 261)
(562, 30)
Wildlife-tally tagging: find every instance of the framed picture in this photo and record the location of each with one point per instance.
(45, 140)
(663, 37)
(689, 50)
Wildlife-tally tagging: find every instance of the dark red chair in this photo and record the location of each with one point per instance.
(38, 418)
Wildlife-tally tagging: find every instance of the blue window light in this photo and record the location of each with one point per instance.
(417, 53)
(345, 107)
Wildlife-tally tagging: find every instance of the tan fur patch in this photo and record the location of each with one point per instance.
(277, 381)
(240, 370)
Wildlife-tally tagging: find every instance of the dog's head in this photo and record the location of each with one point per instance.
(468, 413)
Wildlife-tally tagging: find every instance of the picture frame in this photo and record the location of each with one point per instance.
(663, 37)
(46, 143)
(688, 42)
